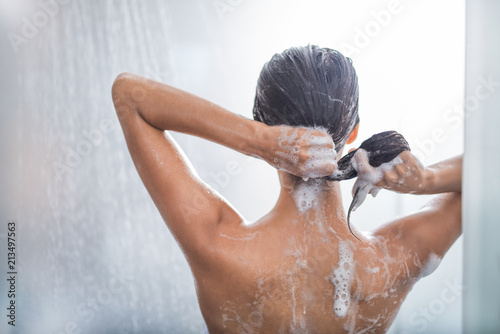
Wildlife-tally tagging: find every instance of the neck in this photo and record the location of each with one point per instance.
(314, 199)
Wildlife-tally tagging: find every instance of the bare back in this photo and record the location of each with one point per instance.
(309, 275)
(298, 269)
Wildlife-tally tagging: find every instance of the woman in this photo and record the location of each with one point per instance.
(298, 269)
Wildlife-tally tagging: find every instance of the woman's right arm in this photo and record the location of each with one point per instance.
(416, 239)
(443, 177)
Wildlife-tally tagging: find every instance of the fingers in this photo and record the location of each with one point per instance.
(362, 165)
(407, 156)
(403, 174)
(319, 138)
(319, 165)
(374, 191)
(307, 153)
(325, 168)
(318, 154)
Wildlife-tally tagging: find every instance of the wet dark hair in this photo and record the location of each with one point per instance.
(318, 87)
(380, 148)
(309, 86)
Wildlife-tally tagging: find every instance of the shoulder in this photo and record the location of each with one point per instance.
(417, 240)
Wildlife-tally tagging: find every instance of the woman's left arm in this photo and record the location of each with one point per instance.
(432, 230)
(410, 176)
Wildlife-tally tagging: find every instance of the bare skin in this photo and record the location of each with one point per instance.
(286, 272)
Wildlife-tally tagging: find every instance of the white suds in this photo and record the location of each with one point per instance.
(373, 270)
(248, 236)
(319, 154)
(430, 265)
(306, 194)
(341, 279)
(366, 180)
(289, 148)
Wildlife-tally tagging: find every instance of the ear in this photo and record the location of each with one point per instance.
(353, 135)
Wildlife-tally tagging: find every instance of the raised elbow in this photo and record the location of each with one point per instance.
(121, 86)
(121, 92)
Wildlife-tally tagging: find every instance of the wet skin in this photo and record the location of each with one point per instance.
(285, 272)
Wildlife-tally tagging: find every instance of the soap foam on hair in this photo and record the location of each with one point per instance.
(367, 180)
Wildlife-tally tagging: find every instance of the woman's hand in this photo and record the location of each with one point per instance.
(405, 174)
(304, 152)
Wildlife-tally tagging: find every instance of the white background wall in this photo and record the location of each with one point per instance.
(77, 229)
(481, 184)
